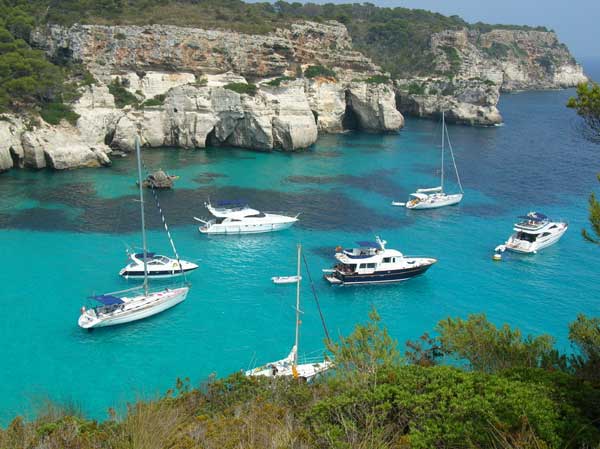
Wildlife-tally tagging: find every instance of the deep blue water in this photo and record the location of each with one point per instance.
(63, 237)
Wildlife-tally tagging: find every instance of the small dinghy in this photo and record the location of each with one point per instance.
(285, 279)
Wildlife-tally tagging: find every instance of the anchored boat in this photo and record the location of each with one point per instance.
(435, 197)
(290, 366)
(234, 217)
(373, 263)
(157, 266)
(120, 307)
(534, 232)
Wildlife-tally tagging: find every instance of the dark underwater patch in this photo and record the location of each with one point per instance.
(208, 177)
(319, 210)
(380, 182)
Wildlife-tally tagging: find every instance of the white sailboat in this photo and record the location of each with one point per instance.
(289, 366)
(122, 307)
(434, 197)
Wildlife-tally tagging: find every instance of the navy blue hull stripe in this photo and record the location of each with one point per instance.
(154, 273)
(391, 276)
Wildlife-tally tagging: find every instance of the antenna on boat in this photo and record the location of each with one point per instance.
(144, 246)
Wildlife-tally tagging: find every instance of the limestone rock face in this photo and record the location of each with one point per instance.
(293, 122)
(468, 102)
(108, 50)
(254, 130)
(98, 115)
(375, 106)
(11, 149)
(153, 83)
(512, 59)
(60, 147)
(327, 100)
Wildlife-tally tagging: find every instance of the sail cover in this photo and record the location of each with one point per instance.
(108, 300)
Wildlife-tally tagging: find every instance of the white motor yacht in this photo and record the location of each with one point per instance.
(237, 218)
(533, 233)
(158, 267)
(373, 263)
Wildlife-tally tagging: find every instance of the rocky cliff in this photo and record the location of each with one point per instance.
(184, 87)
(473, 67)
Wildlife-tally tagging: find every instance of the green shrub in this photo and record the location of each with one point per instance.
(378, 79)
(53, 113)
(157, 100)
(453, 58)
(416, 89)
(242, 88)
(277, 81)
(120, 36)
(319, 70)
(122, 96)
(497, 50)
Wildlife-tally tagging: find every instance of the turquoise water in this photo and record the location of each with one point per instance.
(63, 237)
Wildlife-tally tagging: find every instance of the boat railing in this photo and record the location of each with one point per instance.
(279, 212)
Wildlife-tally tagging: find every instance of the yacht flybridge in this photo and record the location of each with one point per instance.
(158, 266)
(120, 307)
(290, 366)
(233, 217)
(373, 263)
(435, 197)
(533, 233)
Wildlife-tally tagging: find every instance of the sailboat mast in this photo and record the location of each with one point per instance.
(144, 245)
(443, 140)
(297, 305)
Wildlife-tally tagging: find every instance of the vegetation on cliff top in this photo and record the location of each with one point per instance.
(395, 38)
(537, 398)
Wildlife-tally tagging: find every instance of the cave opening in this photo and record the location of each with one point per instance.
(211, 139)
(350, 119)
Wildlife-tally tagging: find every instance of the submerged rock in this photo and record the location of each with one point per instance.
(159, 180)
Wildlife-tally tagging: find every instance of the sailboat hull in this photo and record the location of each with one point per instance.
(435, 201)
(133, 309)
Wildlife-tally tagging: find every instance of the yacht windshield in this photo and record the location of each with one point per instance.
(527, 237)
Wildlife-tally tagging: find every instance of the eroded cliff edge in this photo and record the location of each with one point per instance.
(181, 82)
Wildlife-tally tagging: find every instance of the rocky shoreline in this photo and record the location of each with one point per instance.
(181, 80)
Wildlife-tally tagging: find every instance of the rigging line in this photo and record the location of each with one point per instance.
(312, 286)
(454, 162)
(164, 221)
